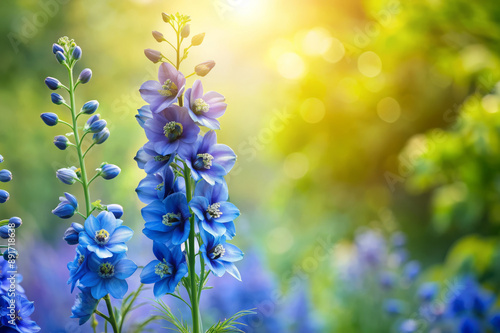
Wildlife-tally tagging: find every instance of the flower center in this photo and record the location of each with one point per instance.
(161, 158)
(200, 106)
(162, 269)
(81, 258)
(170, 218)
(102, 237)
(214, 210)
(106, 270)
(218, 252)
(203, 161)
(159, 187)
(168, 89)
(173, 130)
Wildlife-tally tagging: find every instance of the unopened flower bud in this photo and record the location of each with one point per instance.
(90, 107)
(52, 83)
(16, 221)
(100, 137)
(71, 235)
(67, 176)
(61, 142)
(109, 171)
(158, 36)
(60, 57)
(77, 53)
(165, 17)
(85, 75)
(97, 126)
(5, 176)
(49, 118)
(153, 55)
(4, 196)
(1, 158)
(116, 209)
(204, 68)
(56, 99)
(10, 254)
(57, 48)
(197, 39)
(185, 31)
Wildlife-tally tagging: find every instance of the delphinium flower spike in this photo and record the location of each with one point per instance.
(100, 267)
(15, 308)
(185, 191)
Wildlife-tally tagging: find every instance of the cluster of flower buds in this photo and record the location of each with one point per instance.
(15, 308)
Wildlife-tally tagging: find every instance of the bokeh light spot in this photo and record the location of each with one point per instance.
(279, 240)
(348, 90)
(335, 52)
(312, 110)
(388, 109)
(369, 64)
(317, 41)
(291, 66)
(296, 165)
(490, 103)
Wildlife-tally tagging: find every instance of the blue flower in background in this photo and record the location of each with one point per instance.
(22, 309)
(220, 256)
(427, 291)
(78, 267)
(204, 108)
(215, 213)
(67, 207)
(167, 221)
(105, 235)
(5, 274)
(165, 272)
(4, 196)
(208, 159)
(85, 305)
(171, 130)
(149, 160)
(107, 276)
(164, 92)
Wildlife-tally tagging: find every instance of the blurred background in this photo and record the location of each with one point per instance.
(368, 143)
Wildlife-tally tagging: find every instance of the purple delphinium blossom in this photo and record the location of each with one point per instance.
(85, 305)
(208, 159)
(204, 108)
(215, 213)
(105, 235)
(167, 221)
(144, 114)
(171, 130)
(20, 321)
(159, 185)
(149, 160)
(166, 270)
(164, 93)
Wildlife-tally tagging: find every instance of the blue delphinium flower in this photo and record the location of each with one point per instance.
(164, 93)
(109, 171)
(408, 326)
(220, 256)
(105, 235)
(116, 210)
(4, 196)
(166, 271)
(149, 160)
(393, 306)
(5, 277)
(204, 108)
(158, 186)
(107, 276)
(61, 142)
(67, 175)
(215, 213)
(95, 124)
(85, 305)
(67, 207)
(71, 235)
(412, 270)
(49, 118)
(144, 114)
(167, 221)
(78, 267)
(207, 159)
(21, 310)
(171, 130)
(427, 291)
(5, 176)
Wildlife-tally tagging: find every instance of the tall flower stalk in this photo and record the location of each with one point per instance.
(188, 213)
(100, 267)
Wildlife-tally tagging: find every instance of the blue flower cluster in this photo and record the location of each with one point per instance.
(15, 308)
(100, 267)
(184, 189)
(464, 307)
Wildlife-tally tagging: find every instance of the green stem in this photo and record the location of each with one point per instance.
(111, 314)
(195, 312)
(77, 141)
